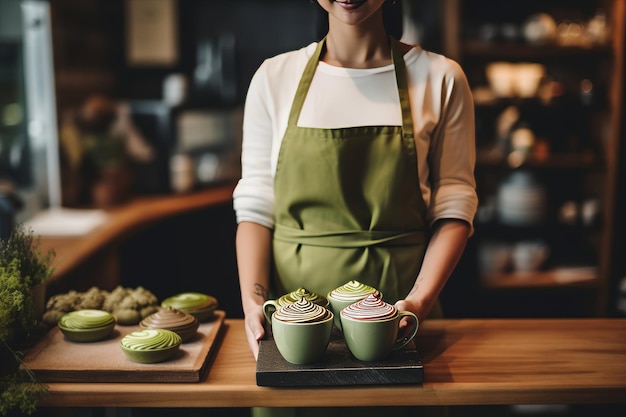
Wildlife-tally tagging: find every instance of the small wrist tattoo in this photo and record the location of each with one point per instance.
(260, 291)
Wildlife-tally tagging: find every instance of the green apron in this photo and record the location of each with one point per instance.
(348, 204)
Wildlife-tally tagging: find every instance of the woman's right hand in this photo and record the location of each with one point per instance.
(255, 330)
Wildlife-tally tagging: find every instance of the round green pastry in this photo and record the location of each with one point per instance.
(201, 306)
(87, 325)
(151, 345)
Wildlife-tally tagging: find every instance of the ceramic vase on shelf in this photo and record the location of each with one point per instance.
(522, 200)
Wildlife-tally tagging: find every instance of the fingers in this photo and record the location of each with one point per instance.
(402, 305)
(254, 332)
(254, 347)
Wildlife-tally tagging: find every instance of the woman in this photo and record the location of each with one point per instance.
(358, 160)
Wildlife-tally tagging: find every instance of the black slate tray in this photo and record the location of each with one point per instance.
(337, 367)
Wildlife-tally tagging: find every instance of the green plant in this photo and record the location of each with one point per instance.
(22, 268)
(20, 388)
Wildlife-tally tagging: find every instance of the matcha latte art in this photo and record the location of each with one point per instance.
(296, 295)
(370, 308)
(302, 311)
(353, 290)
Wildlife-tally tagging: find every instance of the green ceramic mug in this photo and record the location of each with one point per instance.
(302, 331)
(371, 327)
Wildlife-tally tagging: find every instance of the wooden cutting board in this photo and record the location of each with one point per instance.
(337, 367)
(56, 359)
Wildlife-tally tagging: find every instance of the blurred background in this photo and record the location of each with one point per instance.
(153, 90)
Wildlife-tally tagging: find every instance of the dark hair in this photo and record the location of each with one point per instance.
(392, 18)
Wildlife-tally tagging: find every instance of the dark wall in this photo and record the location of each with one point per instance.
(89, 43)
(230, 39)
(190, 252)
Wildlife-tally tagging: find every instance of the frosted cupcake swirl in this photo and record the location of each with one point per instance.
(171, 319)
(353, 291)
(302, 311)
(150, 339)
(86, 319)
(370, 308)
(296, 295)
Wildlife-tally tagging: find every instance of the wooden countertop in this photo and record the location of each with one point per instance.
(467, 362)
(125, 220)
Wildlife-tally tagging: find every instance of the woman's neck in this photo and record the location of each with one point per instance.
(357, 46)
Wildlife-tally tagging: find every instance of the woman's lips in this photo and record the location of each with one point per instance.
(350, 4)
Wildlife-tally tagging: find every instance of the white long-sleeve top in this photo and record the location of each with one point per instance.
(443, 119)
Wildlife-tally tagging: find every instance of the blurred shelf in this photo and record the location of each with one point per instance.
(520, 50)
(570, 160)
(587, 277)
(565, 103)
(577, 132)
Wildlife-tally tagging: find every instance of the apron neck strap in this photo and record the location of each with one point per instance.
(401, 81)
(305, 83)
(403, 89)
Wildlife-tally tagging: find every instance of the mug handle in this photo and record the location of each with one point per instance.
(269, 307)
(400, 343)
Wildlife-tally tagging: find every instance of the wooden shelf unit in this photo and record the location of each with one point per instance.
(603, 164)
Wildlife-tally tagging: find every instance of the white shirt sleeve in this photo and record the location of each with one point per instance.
(266, 113)
(254, 194)
(447, 176)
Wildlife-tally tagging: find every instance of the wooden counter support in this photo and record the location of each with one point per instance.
(467, 362)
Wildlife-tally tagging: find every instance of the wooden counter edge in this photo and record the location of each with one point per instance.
(230, 382)
(98, 395)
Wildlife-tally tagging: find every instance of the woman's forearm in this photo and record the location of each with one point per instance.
(445, 248)
(253, 245)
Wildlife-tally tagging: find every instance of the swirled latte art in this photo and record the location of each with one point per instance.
(353, 290)
(296, 295)
(302, 311)
(370, 308)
